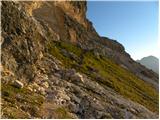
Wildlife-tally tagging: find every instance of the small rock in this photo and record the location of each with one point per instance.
(45, 84)
(45, 77)
(64, 96)
(29, 116)
(112, 103)
(16, 107)
(18, 84)
(74, 107)
(40, 55)
(77, 77)
(35, 85)
(56, 67)
(42, 91)
(57, 75)
(133, 110)
(125, 67)
(30, 89)
(76, 99)
(35, 90)
(97, 54)
(43, 70)
(70, 73)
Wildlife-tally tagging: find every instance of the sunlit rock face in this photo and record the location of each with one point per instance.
(62, 17)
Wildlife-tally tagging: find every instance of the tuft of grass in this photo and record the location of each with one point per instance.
(62, 113)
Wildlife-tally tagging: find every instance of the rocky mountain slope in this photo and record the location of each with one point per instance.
(55, 65)
(150, 62)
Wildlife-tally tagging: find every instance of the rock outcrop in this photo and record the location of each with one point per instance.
(66, 69)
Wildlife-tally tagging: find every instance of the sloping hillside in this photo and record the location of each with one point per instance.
(55, 65)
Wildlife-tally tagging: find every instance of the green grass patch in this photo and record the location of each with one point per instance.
(124, 82)
(55, 48)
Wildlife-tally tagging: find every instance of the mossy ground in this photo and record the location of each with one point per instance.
(112, 75)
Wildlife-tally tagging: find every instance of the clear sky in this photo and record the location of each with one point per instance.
(134, 24)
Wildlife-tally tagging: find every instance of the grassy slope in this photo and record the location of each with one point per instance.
(113, 76)
(14, 98)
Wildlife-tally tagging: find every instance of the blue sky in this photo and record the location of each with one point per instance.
(134, 24)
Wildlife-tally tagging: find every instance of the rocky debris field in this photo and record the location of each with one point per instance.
(64, 69)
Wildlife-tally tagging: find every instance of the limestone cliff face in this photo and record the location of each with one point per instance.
(55, 65)
(76, 10)
(67, 19)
